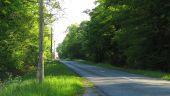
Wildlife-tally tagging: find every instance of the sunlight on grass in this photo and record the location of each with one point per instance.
(52, 86)
(166, 77)
(59, 81)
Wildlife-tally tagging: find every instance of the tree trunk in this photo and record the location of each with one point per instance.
(40, 67)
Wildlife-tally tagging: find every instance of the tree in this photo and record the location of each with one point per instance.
(40, 68)
(19, 36)
(127, 33)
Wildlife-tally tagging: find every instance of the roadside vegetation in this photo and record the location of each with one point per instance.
(131, 34)
(19, 30)
(59, 81)
(148, 73)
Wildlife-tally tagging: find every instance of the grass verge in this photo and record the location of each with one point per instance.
(148, 73)
(59, 81)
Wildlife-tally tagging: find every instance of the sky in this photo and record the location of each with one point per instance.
(73, 14)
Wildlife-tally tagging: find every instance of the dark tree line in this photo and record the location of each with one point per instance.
(126, 33)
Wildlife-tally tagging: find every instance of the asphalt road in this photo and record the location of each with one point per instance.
(117, 83)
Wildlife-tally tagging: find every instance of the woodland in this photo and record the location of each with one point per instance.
(126, 33)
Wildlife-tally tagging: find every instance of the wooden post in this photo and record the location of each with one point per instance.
(51, 43)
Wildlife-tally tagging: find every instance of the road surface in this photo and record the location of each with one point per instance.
(117, 83)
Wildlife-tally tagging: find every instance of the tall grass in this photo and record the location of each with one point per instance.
(59, 81)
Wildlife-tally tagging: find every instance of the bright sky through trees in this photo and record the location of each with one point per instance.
(73, 14)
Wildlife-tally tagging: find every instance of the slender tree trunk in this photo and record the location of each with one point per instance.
(40, 67)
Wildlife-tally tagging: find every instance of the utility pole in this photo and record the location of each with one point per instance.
(54, 50)
(51, 43)
(40, 67)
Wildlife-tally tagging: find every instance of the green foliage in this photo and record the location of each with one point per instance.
(59, 81)
(19, 36)
(71, 47)
(127, 33)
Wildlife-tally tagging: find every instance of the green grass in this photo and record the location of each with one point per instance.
(155, 74)
(59, 81)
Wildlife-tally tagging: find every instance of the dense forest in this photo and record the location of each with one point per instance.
(19, 36)
(125, 33)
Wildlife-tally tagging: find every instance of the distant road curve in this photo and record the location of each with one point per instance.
(118, 83)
